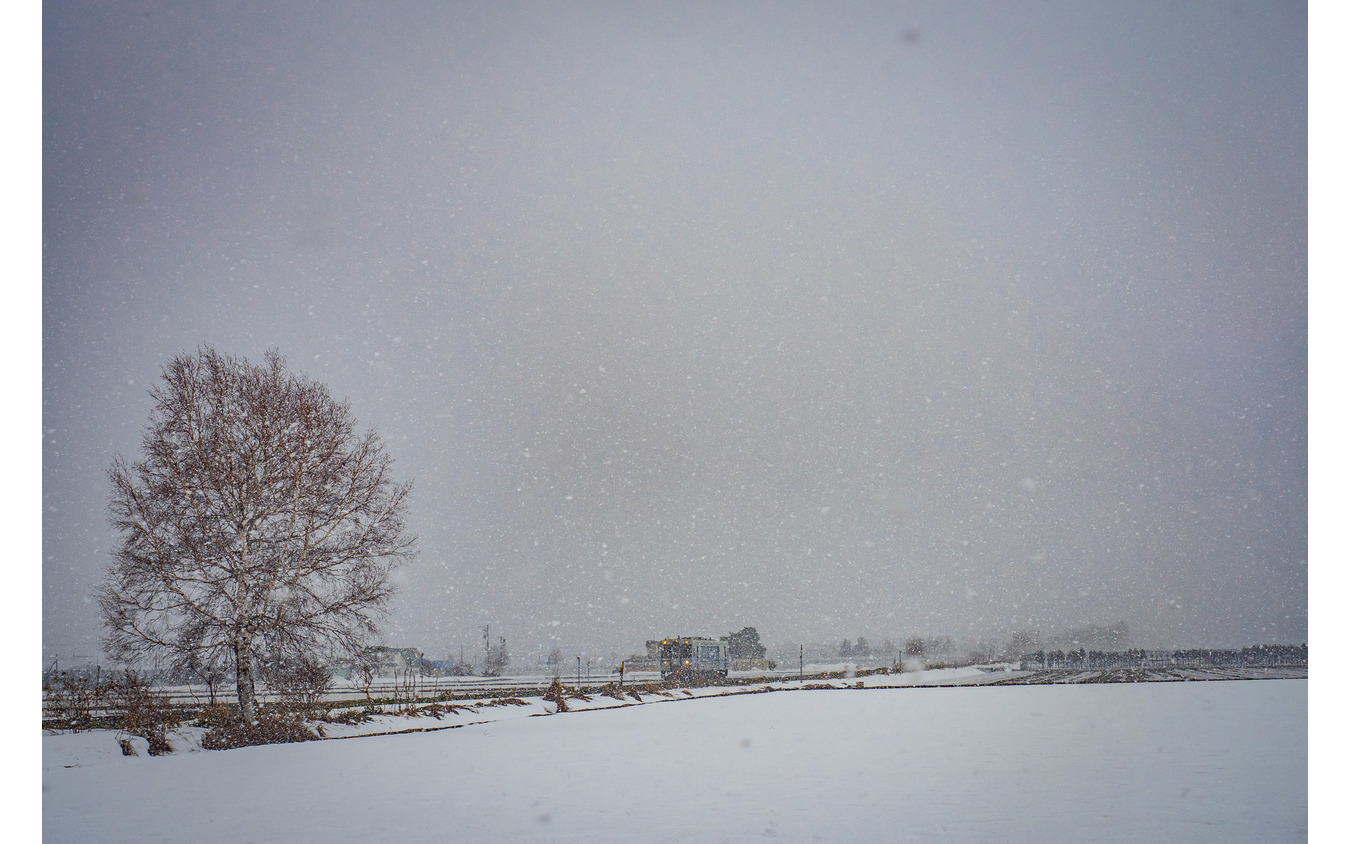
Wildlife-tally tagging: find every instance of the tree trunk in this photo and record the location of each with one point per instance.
(243, 669)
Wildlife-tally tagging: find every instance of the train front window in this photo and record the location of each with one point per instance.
(677, 654)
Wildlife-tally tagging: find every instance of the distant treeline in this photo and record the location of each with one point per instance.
(1257, 655)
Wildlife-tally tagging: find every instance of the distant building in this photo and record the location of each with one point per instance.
(391, 662)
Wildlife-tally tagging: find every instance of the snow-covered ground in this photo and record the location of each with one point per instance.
(1182, 761)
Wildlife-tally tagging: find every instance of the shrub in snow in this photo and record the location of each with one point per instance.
(143, 712)
(349, 716)
(439, 710)
(301, 681)
(70, 701)
(274, 726)
(556, 695)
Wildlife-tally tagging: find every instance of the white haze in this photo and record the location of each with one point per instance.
(836, 320)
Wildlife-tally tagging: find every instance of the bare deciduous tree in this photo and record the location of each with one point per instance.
(302, 682)
(365, 665)
(257, 520)
(212, 673)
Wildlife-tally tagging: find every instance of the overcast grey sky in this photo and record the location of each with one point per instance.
(832, 319)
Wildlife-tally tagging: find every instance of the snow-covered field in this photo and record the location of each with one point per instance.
(1181, 761)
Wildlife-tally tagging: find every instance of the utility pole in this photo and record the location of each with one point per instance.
(487, 650)
(579, 674)
(801, 651)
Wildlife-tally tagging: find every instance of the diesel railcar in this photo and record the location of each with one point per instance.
(692, 659)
